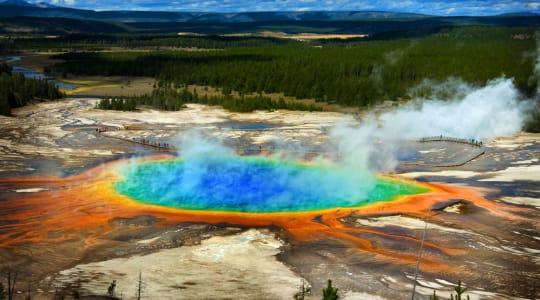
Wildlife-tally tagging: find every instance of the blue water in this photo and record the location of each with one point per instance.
(13, 58)
(248, 184)
(29, 73)
(251, 126)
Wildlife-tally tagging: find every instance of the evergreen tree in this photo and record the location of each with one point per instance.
(17, 91)
(330, 293)
(459, 291)
(111, 289)
(2, 291)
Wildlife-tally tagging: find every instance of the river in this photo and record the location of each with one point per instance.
(29, 73)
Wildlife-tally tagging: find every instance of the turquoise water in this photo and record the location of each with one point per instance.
(251, 126)
(253, 184)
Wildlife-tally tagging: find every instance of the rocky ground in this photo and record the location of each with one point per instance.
(224, 261)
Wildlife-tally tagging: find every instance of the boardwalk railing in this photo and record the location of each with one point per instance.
(141, 141)
(464, 160)
(144, 141)
(442, 138)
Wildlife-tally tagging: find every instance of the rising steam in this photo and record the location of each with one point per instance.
(466, 112)
(479, 113)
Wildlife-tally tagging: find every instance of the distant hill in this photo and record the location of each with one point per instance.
(376, 29)
(20, 8)
(520, 14)
(19, 17)
(29, 25)
(45, 5)
(16, 3)
(26, 4)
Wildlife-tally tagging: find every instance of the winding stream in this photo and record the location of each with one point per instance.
(29, 73)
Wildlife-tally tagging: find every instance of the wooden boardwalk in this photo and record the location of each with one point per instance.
(162, 146)
(472, 142)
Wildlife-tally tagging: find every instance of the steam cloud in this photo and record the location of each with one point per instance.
(482, 113)
(471, 113)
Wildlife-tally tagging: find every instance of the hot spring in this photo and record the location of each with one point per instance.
(255, 185)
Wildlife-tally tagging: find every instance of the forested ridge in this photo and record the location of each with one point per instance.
(13, 21)
(95, 42)
(354, 74)
(17, 91)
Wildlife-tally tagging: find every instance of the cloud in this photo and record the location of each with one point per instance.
(432, 7)
(67, 2)
(533, 5)
(402, 4)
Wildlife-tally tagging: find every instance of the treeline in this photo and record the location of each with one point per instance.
(17, 91)
(137, 41)
(167, 98)
(533, 122)
(357, 75)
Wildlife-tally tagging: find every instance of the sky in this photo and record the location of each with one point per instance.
(430, 7)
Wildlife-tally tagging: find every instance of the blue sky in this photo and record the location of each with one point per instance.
(434, 7)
